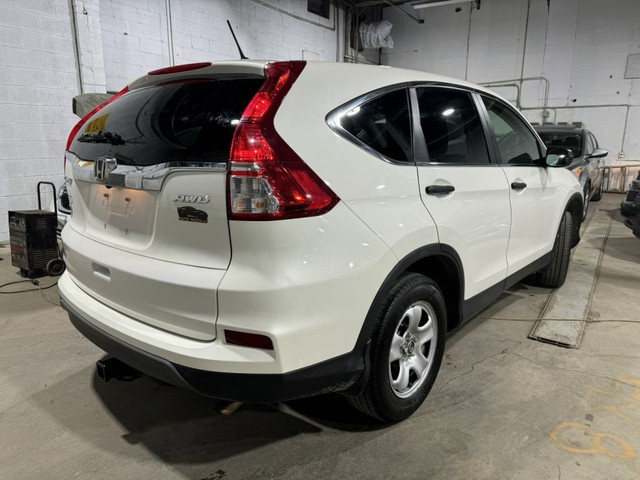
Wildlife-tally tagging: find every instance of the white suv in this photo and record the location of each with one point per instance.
(263, 231)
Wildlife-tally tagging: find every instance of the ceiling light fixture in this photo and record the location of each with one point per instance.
(436, 3)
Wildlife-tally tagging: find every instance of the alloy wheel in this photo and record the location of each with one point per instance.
(413, 348)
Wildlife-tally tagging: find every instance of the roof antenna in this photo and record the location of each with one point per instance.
(242, 55)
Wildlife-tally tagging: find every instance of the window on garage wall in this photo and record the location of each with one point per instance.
(319, 7)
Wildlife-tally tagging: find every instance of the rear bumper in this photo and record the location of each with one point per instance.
(631, 212)
(336, 374)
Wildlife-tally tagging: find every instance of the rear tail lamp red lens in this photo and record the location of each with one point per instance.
(245, 339)
(267, 180)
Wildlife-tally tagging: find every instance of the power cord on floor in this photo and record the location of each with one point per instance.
(37, 283)
(33, 282)
(13, 283)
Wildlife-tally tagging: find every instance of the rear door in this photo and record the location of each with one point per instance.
(465, 193)
(148, 234)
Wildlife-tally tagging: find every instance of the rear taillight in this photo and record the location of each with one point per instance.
(83, 120)
(267, 180)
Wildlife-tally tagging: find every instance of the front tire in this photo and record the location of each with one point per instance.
(598, 195)
(585, 208)
(407, 345)
(555, 274)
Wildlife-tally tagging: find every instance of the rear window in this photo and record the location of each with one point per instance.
(571, 141)
(191, 121)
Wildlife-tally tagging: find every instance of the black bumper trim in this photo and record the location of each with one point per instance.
(630, 209)
(332, 375)
(631, 215)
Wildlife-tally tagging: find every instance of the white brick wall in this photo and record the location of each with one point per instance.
(118, 40)
(37, 83)
(89, 34)
(136, 39)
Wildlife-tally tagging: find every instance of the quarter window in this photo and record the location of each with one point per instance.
(382, 124)
(517, 145)
(451, 127)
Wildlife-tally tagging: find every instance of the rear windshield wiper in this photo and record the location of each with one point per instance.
(101, 137)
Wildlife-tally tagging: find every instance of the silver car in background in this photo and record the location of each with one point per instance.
(588, 157)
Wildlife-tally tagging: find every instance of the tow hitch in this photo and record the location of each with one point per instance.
(111, 367)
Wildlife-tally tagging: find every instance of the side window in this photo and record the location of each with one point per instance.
(517, 145)
(383, 125)
(451, 126)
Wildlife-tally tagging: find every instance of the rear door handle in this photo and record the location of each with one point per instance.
(518, 185)
(439, 189)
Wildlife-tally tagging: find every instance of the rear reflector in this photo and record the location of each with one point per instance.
(248, 339)
(180, 68)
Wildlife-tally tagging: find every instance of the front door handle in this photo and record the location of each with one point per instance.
(439, 189)
(518, 185)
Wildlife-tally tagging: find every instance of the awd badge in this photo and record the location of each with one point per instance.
(186, 198)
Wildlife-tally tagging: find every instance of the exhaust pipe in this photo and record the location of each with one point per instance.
(111, 367)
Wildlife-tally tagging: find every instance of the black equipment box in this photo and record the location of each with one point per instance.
(33, 239)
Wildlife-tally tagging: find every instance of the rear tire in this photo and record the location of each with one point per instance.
(554, 275)
(407, 345)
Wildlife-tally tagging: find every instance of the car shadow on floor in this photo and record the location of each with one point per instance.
(187, 431)
(624, 248)
(129, 402)
(177, 424)
(181, 426)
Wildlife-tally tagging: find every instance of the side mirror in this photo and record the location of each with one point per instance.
(84, 103)
(599, 153)
(559, 157)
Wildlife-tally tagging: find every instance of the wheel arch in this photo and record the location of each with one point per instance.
(446, 270)
(575, 206)
(439, 262)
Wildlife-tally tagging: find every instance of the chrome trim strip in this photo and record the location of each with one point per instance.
(151, 177)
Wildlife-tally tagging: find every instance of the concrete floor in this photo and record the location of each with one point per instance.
(503, 406)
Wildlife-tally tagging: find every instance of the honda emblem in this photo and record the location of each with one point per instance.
(103, 166)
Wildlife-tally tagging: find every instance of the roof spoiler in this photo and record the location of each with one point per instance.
(86, 102)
